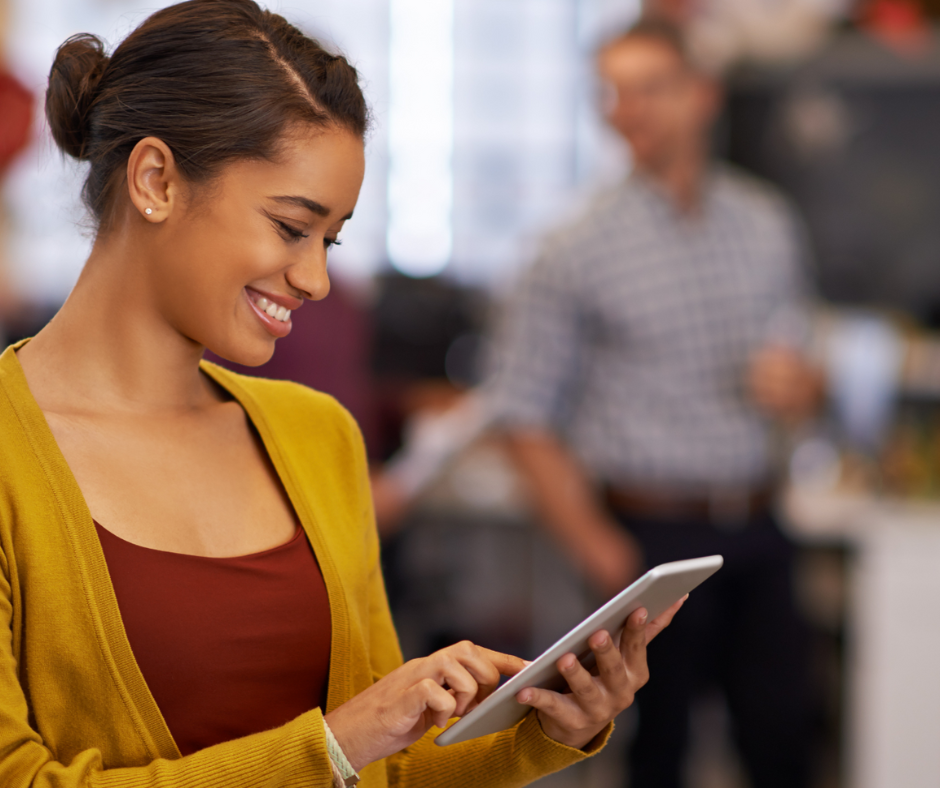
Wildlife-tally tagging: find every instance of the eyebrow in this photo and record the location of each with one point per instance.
(311, 205)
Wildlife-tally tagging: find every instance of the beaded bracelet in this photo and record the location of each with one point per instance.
(344, 776)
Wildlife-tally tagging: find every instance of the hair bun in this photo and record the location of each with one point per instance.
(73, 86)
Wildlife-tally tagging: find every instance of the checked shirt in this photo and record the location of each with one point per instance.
(631, 334)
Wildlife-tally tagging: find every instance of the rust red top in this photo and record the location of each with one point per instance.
(227, 646)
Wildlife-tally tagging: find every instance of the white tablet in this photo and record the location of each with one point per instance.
(657, 590)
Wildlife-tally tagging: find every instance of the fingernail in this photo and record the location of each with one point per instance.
(525, 697)
(527, 662)
(643, 616)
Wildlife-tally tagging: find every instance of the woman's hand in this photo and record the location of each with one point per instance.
(575, 718)
(400, 708)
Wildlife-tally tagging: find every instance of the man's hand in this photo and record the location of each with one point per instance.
(784, 384)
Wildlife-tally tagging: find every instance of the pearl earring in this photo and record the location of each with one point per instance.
(148, 211)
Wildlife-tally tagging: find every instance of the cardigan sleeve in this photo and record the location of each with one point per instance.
(508, 759)
(294, 754)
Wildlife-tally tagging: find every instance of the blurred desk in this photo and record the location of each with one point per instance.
(892, 711)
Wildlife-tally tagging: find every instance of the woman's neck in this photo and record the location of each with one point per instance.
(109, 348)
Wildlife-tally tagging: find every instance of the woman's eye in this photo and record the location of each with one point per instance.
(292, 233)
(328, 242)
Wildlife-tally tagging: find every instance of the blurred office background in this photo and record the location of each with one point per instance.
(486, 134)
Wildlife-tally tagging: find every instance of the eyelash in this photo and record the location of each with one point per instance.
(293, 235)
(296, 235)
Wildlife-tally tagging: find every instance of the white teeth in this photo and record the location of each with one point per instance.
(271, 309)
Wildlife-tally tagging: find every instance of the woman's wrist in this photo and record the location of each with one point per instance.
(577, 740)
(344, 775)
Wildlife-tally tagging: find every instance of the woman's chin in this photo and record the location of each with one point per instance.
(256, 355)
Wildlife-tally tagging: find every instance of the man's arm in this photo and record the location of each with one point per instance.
(541, 349)
(568, 507)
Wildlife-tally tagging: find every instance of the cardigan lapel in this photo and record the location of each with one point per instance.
(310, 513)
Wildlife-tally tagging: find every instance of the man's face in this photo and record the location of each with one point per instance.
(655, 101)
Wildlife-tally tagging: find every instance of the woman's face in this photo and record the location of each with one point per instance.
(238, 257)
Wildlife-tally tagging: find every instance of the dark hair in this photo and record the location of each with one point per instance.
(216, 80)
(654, 28)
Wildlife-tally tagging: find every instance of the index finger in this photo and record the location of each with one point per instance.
(506, 664)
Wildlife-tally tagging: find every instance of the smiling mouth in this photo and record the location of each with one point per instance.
(271, 309)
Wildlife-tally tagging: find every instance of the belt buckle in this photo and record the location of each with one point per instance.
(729, 509)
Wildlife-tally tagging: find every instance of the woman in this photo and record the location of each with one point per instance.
(190, 575)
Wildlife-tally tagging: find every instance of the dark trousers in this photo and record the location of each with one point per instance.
(738, 631)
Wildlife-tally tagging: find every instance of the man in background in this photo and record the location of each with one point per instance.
(645, 360)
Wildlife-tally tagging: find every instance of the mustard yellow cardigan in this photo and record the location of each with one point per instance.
(74, 707)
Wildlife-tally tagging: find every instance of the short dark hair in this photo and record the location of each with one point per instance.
(653, 28)
(216, 80)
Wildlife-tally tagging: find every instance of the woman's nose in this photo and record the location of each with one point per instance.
(310, 276)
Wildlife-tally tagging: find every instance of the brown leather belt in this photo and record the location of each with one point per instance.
(720, 506)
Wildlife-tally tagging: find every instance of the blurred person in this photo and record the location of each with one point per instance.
(190, 591)
(643, 362)
(425, 340)
(901, 25)
(16, 106)
(433, 437)
(16, 111)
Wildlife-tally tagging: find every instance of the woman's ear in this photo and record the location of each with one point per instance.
(153, 180)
